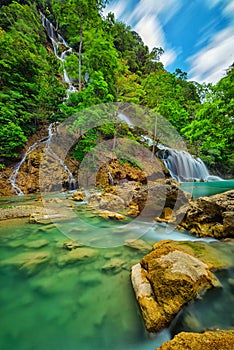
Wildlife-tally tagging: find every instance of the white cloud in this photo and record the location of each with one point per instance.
(150, 31)
(229, 10)
(118, 8)
(209, 64)
(168, 57)
(165, 9)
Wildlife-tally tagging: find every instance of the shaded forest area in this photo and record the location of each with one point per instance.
(109, 63)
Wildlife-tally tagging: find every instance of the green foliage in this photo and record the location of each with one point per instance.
(109, 63)
(12, 137)
(212, 129)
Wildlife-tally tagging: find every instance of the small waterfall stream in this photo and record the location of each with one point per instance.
(13, 176)
(72, 184)
(59, 44)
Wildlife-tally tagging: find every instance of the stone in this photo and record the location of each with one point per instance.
(77, 255)
(113, 266)
(20, 211)
(138, 244)
(71, 245)
(209, 216)
(209, 340)
(79, 196)
(36, 244)
(106, 214)
(28, 262)
(173, 274)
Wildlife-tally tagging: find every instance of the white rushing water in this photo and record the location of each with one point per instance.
(59, 43)
(51, 130)
(183, 166)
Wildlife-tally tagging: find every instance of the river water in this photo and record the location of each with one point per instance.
(87, 304)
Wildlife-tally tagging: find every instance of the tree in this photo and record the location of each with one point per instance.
(212, 130)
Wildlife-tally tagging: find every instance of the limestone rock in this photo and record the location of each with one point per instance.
(113, 266)
(138, 244)
(171, 276)
(28, 262)
(77, 255)
(79, 196)
(20, 211)
(210, 216)
(106, 214)
(210, 340)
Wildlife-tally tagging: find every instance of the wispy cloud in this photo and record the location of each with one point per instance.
(209, 64)
(168, 57)
(151, 31)
(118, 8)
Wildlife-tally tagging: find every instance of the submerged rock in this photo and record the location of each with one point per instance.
(138, 244)
(114, 266)
(171, 275)
(210, 340)
(27, 262)
(77, 255)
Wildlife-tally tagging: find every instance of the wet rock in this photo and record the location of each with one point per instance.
(138, 244)
(20, 211)
(106, 214)
(151, 200)
(114, 266)
(107, 201)
(44, 219)
(37, 244)
(71, 245)
(79, 196)
(171, 276)
(210, 340)
(209, 216)
(77, 255)
(28, 262)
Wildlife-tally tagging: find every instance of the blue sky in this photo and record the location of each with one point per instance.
(196, 35)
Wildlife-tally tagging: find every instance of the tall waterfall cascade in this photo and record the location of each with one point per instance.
(183, 166)
(72, 183)
(59, 44)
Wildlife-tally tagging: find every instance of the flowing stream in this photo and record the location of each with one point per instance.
(61, 50)
(88, 303)
(13, 177)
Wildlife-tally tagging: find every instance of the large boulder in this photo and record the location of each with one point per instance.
(157, 200)
(210, 340)
(209, 216)
(173, 274)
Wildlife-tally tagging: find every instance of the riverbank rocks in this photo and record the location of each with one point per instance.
(20, 211)
(210, 340)
(209, 216)
(173, 274)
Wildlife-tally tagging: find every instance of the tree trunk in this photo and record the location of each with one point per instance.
(80, 54)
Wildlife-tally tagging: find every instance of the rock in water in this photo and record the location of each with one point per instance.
(211, 340)
(209, 216)
(168, 278)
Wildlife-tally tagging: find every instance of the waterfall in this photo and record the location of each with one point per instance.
(111, 180)
(58, 44)
(72, 183)
(183, 166)
(13, 176)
